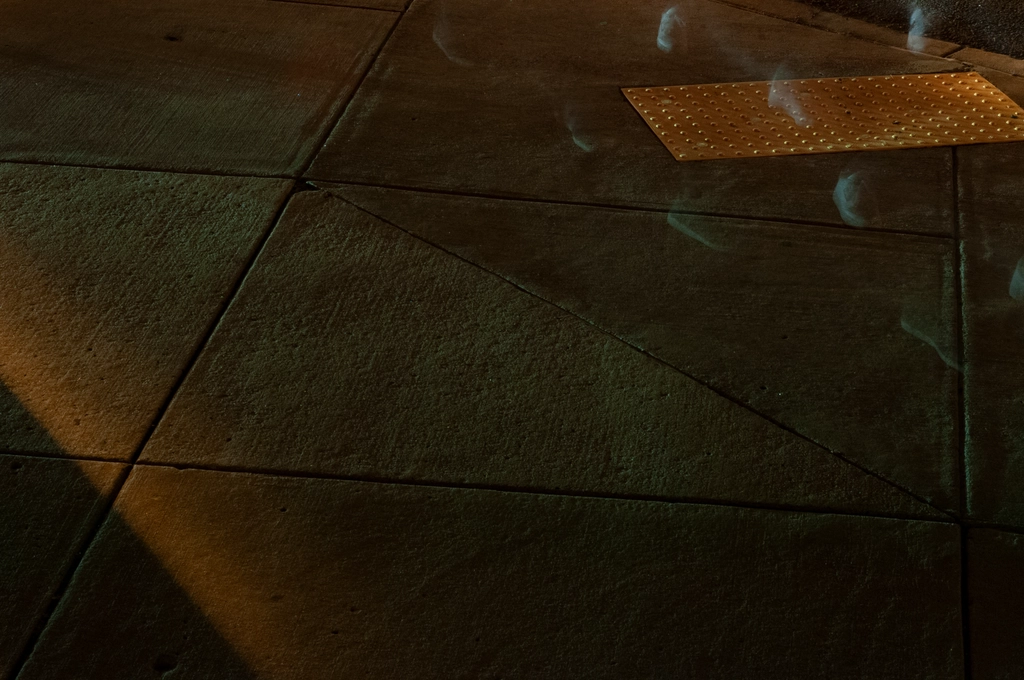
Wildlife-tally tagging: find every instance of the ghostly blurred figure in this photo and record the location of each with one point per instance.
(670, 19)
(583, 140)
(925, 327)
(782, 96)
(918, 25)
(444, 38)
(682, 224)
(853, 199)
(1017, 281)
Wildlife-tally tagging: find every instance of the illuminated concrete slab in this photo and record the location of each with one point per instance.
(305, 577)
(48, 507)
(847, 338)
(523, 100)
(234, 86)
(355, 349)
(108, 281)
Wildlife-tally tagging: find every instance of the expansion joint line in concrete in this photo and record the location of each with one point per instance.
(329, 128)
(961, 420)
(641, 350)
(332, 5)
(784, 221)
(541, 491)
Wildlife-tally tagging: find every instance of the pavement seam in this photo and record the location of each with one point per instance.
(346, 6)
(69, 575)
(537, 491)
(958, 287)
(994, 526)
(141, 168)
(323, 183)
(659, 360)
(493, 197)
(332, 125)
(958, 301)
(60, 456)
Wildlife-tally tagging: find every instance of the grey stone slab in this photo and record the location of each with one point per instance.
(355, 349)
(48, 507)
(523, 100)
(996, 591)
(992, 214)
(108, 281)
(234, 86)
(328, 579)
(847, 337)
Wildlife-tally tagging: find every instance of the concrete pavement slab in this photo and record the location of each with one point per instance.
(308, 578)
(996, 587)
(235, 86)
(523, 100)
(355, 349)
(108, 281)
(992, 204)
(991, 183)
(846, 337)
(49, 507)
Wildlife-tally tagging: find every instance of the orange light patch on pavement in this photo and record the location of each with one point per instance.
(827, 115)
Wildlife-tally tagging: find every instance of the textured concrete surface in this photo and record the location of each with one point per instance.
(995, 25)
(389, 359)
(240, 86)
(792, 10)
(48, 509)
(108, 282)
(991, 204)
(503, 390)
(847, 338)
(996, 568)
(315, 578)
(531, 107)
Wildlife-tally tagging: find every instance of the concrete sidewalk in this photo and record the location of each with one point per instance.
(388, 342)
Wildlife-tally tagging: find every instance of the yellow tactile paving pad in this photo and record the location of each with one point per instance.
(827, 115)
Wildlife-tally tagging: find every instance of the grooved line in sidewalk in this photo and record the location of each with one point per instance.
(538, 491)
(628, 208)
(329, 129)
(958, 288)
(497, 197)
(641, 350)
(115, 491)
(340, 6)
